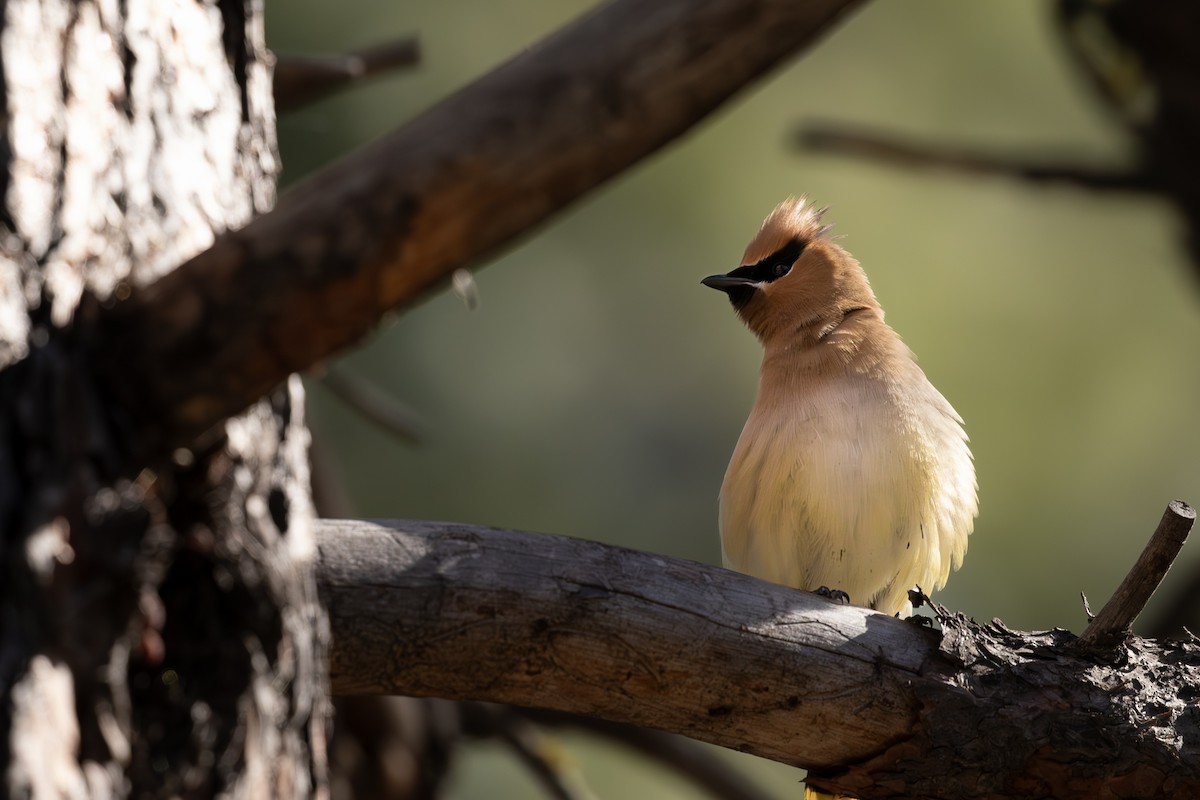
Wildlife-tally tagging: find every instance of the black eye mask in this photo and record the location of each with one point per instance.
(774, 266)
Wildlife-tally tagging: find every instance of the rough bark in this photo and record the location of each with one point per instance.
(159, 634)
(873, 706)
(382, 227)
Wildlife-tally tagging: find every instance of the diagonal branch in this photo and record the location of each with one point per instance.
(689, 760)
(373, 404)
(545, 757)
(300, 80)
(384, 226)
(873, 706)
(1115, 620)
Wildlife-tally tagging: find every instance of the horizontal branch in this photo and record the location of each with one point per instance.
(445, 610)
(872, 705)
(382, 227)
(891, 148)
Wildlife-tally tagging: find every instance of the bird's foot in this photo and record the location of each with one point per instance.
(836, 595)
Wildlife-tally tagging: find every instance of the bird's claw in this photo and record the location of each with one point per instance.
(837, 595)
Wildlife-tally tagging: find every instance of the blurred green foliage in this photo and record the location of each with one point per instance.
(599, 388)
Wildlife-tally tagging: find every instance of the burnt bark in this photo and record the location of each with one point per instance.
(159, 633)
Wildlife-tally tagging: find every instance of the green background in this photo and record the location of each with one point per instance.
(599, 388)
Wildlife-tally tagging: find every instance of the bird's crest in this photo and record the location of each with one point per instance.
(794, 218)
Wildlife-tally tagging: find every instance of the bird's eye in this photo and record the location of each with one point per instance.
(782, 268)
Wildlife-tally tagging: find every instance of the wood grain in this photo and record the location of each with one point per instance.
(873, 706)
(443, 609)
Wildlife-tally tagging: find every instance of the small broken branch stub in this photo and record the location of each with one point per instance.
(1115, 620)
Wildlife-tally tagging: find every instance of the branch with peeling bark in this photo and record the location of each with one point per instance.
(871, 705)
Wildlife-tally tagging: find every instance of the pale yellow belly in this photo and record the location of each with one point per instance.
(868, 503)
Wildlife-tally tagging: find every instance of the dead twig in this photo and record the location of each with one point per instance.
(831, 138)
(302, 80)
(1115, 620)
(545, 757)
(373, 404)
(687, 758)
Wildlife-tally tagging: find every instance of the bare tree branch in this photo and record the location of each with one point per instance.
(545, 757)
(301, 80)
(873, 706)
(549, 618)
(893, 149)
(382, 227)
(1115, 620)
(373, 404)
(689, 760)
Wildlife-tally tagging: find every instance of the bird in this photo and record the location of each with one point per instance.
(853, 475)
(852, 472)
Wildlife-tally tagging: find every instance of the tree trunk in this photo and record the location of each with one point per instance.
(159, 632)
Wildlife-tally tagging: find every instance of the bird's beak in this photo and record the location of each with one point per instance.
(727, 283)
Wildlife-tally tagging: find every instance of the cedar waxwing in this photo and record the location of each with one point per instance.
(852, 471)
(852, 475)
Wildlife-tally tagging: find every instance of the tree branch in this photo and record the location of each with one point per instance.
(432, 609)
(545, 757)
(873, 706)
(385, 225)
(689, 760)
(301, 80)
(373, 404)
(1115, 620)
(892, 149)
